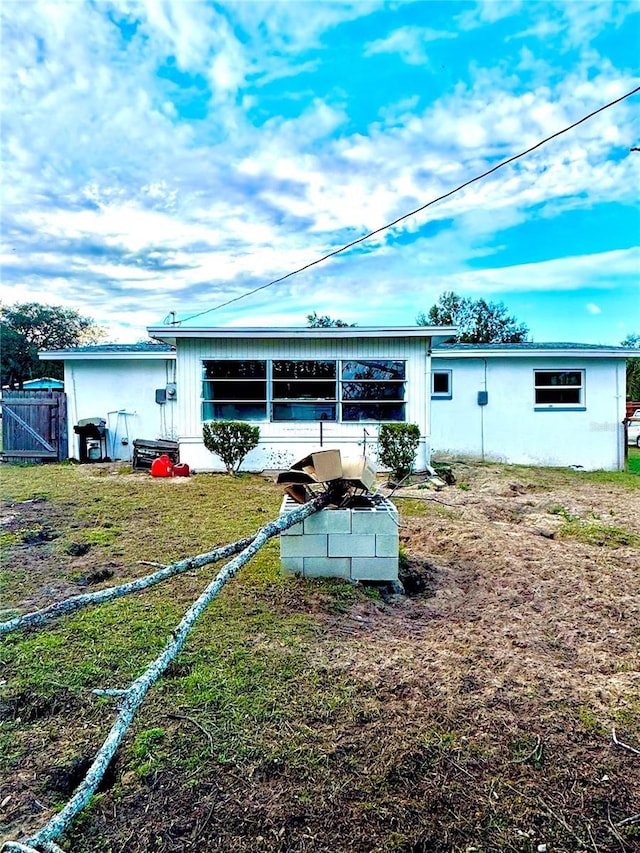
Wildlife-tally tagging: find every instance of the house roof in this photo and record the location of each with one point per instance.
(41, 383)
(438, 334)
(140, 350)
(170, 334)
(556, 348)
(43, 380)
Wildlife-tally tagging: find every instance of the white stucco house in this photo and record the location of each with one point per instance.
(117, 382)
(548, 404)
(552, 404)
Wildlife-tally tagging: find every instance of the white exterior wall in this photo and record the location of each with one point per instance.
(99, 388)
(509, 428)
(284, 443)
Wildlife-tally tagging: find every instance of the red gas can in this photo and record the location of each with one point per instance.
(181, 470)
(162, 467)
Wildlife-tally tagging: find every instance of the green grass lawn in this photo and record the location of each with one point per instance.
(298, 716)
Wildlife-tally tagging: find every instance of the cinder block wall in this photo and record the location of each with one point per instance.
(359, 544)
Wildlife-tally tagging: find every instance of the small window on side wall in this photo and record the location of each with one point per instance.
(559, 389)
(441, 385)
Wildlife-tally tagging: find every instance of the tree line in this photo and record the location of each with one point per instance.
(29, 327)
(481, 322)
(477, 321)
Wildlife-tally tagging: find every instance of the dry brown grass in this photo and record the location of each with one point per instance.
(474, 714)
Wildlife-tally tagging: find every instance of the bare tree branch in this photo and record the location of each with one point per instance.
(77, 602)
(622, 744)
(137, 690)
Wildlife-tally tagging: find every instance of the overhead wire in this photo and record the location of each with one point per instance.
(416, 210)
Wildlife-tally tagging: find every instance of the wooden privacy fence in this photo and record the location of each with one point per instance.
(34, 426)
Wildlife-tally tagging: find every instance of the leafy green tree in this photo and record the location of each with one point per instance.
(29, 327)
(314, 321)
(478, 321)
(633, 369)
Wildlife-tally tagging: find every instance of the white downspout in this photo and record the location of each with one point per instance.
(72, 411)
(424, 463)
(620, 438)
(484, 383)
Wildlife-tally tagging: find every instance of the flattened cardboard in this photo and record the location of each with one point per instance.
(298, 493)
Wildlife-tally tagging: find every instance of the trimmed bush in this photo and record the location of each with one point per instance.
(397, 446)
(231, 441)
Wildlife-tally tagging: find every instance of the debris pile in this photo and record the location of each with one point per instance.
(350, 482)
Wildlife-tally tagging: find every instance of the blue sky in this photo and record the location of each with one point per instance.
(168, 156)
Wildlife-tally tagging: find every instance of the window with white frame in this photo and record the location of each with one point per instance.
(304, 390)
(441, 385)
(562, 389)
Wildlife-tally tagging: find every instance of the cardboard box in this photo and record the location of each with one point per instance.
(359, 472)
(322, 465)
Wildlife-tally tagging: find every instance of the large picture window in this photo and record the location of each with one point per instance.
(234, 390)
(373, 390)
(304, 390)
(559, 388)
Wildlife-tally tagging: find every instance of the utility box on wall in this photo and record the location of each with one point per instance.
(361, 543)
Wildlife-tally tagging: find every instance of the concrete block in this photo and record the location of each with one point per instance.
(374, 569)
(296, 530)
(328, 521)
(365, 521)
(292, 565)
(373, 521)
(324, 567)
(387, 545)
(312, 545)
(351, 545)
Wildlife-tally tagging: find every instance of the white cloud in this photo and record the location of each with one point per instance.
(592, 308)
(409, 43)
(115, 196)
(576, 25)
(576, 272)
(487, 12)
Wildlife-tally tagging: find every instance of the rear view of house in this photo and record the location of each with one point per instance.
(547, 404)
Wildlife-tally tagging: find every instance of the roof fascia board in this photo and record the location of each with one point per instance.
(171, 334)
(72, 355)
(604, 352)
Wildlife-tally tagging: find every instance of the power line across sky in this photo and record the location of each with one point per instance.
(413, 212)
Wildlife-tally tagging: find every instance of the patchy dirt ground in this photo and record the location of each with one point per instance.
(476, 713)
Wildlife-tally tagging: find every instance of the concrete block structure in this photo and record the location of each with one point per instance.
(359, 544)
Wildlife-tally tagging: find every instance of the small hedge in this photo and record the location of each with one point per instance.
(397, 447)
(231, 441)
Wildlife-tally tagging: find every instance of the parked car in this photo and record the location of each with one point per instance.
(633, 431)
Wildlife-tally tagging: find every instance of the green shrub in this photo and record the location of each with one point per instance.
(231, 441)
(397, 446)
